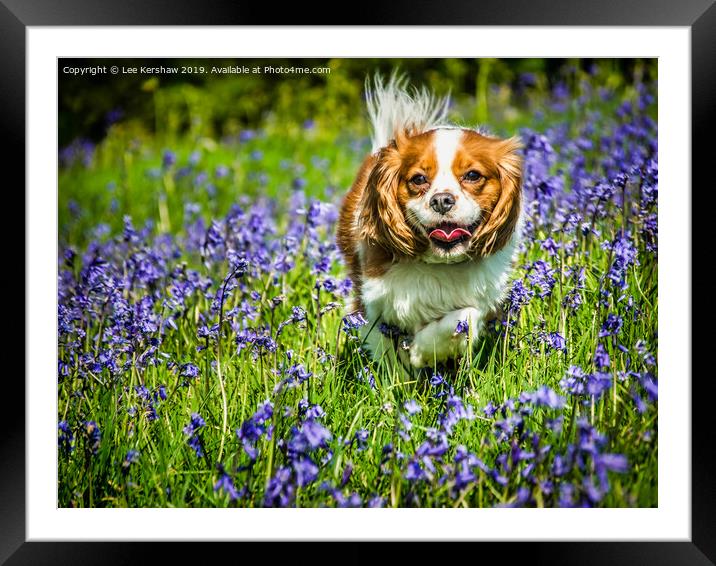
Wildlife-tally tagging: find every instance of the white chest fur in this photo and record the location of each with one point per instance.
(413, 294)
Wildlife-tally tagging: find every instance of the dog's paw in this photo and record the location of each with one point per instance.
(447, 338)
(418, 356)
(436, 343)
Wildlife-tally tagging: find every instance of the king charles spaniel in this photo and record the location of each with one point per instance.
(429, 228)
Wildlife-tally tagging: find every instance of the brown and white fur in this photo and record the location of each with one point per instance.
(430, 226)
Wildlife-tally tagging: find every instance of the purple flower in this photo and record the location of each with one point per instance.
(365, 375)
(247, 135)
(566, 495)
(353, 500)
(169, 158)
(612, 325)
(130, 458)
(93, 436)
(523, 497)
(414, 472)
(254, 428)
(612, 462)
(462, 327)
(650, 385)
(280, 492)
(361, 437)
(542, 278)
(390, 330)
(594, 494)
(305, 469)
(113, 116)
(376, 502)
(189, 370)
(456, 411)
(625, 256)
(195, 424)
(353, 321)
(347, 472)
(518, 296)
(192, 431)
(556, 341)
(226, 485)
(547, 397)
(601, 357)
(412, 407)
(315, 434)
(489, 409)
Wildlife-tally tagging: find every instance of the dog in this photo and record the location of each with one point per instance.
(430, 227)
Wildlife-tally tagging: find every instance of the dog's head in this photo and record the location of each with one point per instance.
(443, 196)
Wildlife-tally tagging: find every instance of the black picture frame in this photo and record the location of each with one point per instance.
(698, 15)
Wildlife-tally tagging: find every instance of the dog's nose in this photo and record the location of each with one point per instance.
(442, 202)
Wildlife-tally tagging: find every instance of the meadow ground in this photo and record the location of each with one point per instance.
(205, 359)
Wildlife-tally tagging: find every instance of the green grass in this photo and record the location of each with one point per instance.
(169, 474)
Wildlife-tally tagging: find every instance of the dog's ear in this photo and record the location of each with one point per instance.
(381, 220)
(502, 220)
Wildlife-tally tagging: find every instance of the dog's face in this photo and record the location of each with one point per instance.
(444, 195)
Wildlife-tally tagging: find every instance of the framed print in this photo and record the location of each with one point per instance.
(331, 283)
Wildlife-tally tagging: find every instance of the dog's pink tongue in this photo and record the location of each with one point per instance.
(440, 234)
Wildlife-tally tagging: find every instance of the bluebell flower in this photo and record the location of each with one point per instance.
(192, 431)
(305, 469)
(280, 492)
(594, 494)
(255, 427)
(130, 458)
(93, 436)
(555, 341)
(346, 475)
(542, 278)
(345, 286)
(601, 357)
(390, 330)
(566, 495)
(376, 502)
(169, 158)
(462, 327)
(353, 321)
(226, 485)
(361, 438)
(247, 135)
(366, 375)
(489, 409)
(649, 383)
(611, 326)
(189, 370)
(544, 396)
(315, 434)
(412, 407)
(455, 412)
(518, 296)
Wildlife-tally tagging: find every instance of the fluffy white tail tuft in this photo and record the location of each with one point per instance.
(392, 107)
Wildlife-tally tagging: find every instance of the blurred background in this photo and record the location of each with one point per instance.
(223, 105)
(127, 141)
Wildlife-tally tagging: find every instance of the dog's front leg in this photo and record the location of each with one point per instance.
(442, 340)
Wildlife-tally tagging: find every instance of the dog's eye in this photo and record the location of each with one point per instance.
(418, 180)
(472, 176)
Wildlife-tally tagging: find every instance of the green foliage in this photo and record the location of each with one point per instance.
(200, 122)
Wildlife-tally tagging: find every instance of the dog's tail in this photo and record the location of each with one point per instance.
(392, 108)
